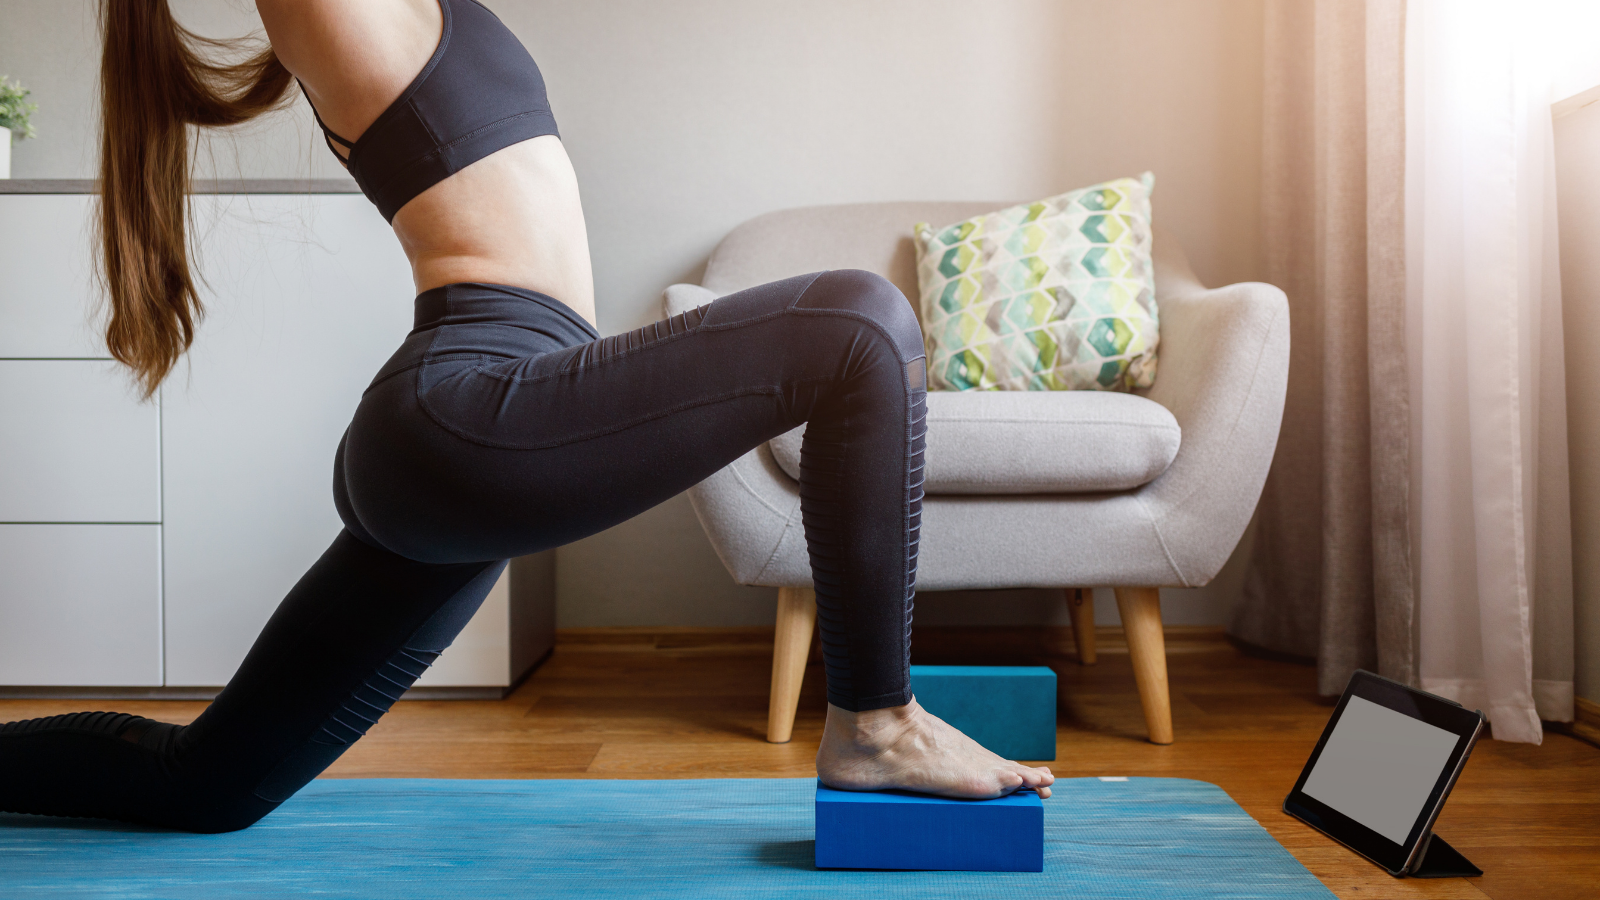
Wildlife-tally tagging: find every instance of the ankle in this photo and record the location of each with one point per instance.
(873, 727)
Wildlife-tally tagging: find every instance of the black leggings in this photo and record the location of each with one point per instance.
(502, 427)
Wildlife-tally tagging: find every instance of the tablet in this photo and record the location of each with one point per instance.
(1382, 770)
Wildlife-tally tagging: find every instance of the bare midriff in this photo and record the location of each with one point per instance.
(513, 217)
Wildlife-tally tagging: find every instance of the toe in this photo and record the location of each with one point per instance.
(1032, 777)
(1009, 782)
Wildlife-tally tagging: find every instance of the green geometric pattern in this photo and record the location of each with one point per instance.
(1057, 295)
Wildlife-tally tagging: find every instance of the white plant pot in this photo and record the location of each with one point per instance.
(5, 153)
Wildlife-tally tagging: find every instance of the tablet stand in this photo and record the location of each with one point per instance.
(1441, 860)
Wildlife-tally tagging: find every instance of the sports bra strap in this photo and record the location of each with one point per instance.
(479, 92)
(327, 133)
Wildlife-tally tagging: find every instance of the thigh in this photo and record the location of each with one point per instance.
(495, 458)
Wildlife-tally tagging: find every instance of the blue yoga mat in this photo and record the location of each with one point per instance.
(738, 839)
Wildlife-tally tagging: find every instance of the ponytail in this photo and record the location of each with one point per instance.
(155, 81)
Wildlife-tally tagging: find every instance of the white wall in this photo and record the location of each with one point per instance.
(685, 118)
(53, 48)
(1578, 199)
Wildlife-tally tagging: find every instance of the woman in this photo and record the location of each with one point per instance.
(502, 426)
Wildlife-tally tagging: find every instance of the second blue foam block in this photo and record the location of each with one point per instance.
(1009, 709)
(900, 830)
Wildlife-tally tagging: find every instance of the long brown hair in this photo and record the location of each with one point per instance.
(156, 80)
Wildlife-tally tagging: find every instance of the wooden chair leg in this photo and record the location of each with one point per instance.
(797, 613)
(1141, 622)
(1080, 602)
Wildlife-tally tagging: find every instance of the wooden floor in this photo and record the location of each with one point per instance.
(692, 704)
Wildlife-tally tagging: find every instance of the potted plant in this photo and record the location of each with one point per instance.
(15, 111)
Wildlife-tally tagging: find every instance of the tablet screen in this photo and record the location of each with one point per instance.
(1379, 767)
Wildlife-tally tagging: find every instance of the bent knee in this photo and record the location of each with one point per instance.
(872, 297)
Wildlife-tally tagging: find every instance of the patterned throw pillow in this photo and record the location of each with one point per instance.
(1048, 296)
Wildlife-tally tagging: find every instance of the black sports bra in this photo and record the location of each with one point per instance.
(480, 92)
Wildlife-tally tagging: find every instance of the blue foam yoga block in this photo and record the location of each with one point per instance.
(1009, 709)
(901, 830)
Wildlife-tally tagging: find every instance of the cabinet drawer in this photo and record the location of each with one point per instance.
(46, 296)
(80, 605)
(77, 445)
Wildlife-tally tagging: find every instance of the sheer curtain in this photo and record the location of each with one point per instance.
(1331, 575)
(1416, 519)
(1489, 488)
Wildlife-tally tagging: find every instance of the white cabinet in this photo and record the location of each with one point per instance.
(306, 295)
(46, 297)
(80, 605)
(77, 444)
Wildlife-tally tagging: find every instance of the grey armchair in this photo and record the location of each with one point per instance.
(1066, 489)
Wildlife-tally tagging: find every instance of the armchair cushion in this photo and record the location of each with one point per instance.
(1034, 442)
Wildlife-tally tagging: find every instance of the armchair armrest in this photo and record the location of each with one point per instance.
(680, 298)
(1224, 370)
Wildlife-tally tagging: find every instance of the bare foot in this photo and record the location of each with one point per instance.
(909, 748)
